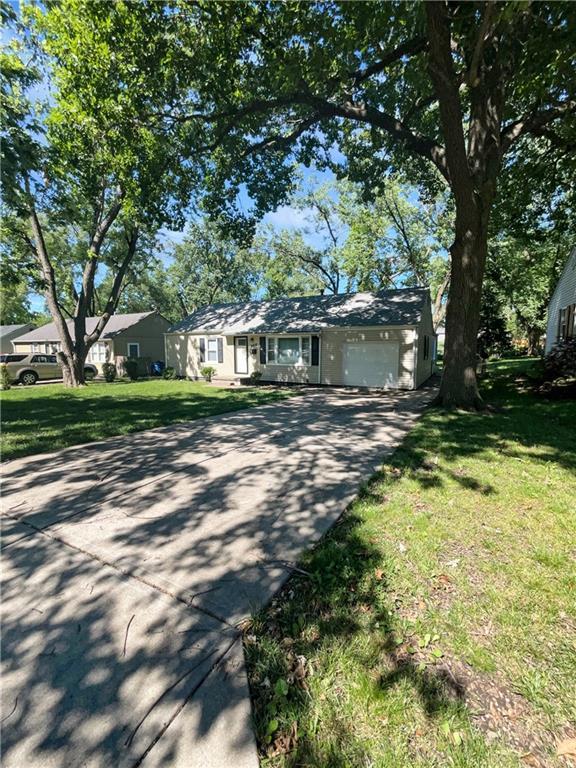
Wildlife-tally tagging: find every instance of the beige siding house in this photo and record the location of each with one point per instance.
(562, 308)
(139, 335)
(383, 340)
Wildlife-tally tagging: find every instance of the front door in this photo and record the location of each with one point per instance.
(241, 354)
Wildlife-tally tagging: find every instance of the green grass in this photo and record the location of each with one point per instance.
(457, 559)
(48, 417)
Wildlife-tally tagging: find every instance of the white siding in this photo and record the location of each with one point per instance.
(183, 354)
(424, 364)
(331, 343)
(292, 374)
(564, 295)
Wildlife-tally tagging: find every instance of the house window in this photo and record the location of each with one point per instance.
(288, 350)
(567, 322)
(46, 348)
(426, 347)
(212, 350)
(305, 350)
(270, 350)
(99, 352)
(133, 350)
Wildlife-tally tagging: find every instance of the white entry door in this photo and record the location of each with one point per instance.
(241, 354)
(370, 364)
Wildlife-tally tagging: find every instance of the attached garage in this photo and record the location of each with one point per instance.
(382, 340)
(370, 364)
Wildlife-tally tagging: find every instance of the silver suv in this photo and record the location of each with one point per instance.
(28, 369)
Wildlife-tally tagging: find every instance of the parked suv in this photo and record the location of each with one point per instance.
(28, 369)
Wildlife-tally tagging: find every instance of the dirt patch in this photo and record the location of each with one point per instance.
(502, 714)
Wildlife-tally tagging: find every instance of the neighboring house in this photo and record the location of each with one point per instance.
(10, 332)
(135, 335)
(383, 339)
(562, 308)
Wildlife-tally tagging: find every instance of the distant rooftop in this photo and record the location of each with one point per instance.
(308, 314)
(6, 330)
(115, 325)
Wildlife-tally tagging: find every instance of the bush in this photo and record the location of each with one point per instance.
(109, 371)
(131, 368)
(560, 362)
(207, 371)
(169, 373)
(255, 376)
(4, 377)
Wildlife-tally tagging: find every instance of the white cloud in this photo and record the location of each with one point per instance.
(287, 217)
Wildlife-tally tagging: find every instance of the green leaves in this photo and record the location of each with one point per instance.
(281, 687)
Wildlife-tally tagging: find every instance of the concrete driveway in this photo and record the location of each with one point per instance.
(128, 566)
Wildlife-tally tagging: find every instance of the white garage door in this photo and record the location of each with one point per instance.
(370, 364)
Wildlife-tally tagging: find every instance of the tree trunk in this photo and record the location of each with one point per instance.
(459, 387)
(533, 334)
(72, 370)
(439, 308)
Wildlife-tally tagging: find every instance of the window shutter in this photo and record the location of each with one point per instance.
(220, 350)
(263, 350)
(315, 351)
(202, 349)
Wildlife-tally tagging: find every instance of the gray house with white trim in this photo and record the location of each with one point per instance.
(382, 340)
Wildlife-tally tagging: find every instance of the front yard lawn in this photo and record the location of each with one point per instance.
(48, 417)
(436, 624)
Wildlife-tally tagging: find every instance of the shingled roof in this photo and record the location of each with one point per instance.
(6, 330)
(115, 325)
(309, 314)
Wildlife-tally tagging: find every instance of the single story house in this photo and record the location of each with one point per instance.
(562, 308)
(383, 340)
(10, 332)
(139, 334)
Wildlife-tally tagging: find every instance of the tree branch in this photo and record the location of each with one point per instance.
(421, 145)
(324, 108)
(114, 296)
(279, 140)
(446, 86)
(41, 253)
(408, 48)
(483, 35)
(440, 308)
(533, 122)
(324, 214)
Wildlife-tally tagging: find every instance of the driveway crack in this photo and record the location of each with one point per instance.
(181, 706)
(125, 572)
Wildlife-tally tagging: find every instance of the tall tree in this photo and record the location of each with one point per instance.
(346, 243)
(91, 167)
(450, 92)
(211, 267)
